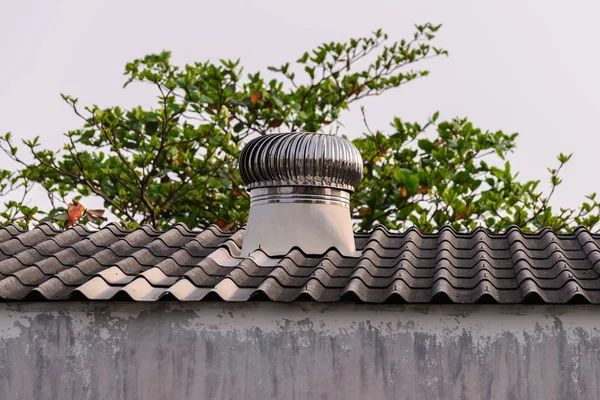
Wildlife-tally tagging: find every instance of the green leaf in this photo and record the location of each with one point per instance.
(61, 217)
(426, 145)
(237, 128)
(412, 184)
(462, 177)
(303, 59)
(310, 71)
(399, 175)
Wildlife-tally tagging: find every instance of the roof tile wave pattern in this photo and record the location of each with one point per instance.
(189, 265)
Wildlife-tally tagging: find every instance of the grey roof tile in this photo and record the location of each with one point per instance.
(12, 289)
(171, 267)
(72, 277)
(31, 276)
(54, 289)
(11, 265)
(189, 265)
(9, 232)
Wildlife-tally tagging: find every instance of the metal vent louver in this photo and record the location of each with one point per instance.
(301, 159)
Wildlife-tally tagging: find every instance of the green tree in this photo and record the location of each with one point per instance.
(177, 161)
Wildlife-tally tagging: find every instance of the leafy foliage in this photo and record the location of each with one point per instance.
(177, 162)
(447, 180)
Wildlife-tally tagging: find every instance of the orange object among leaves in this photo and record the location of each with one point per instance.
(75, 210)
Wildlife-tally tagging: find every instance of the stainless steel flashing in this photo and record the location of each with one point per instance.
(300, 194)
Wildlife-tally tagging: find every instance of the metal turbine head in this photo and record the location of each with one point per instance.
(301, 159)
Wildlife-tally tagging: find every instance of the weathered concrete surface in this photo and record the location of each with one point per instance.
(297, 351)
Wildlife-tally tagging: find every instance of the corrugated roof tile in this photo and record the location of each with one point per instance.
(184, 290)
(54, 289)
(158, 278)
(141, 290)
(97, 289)
(146, 265)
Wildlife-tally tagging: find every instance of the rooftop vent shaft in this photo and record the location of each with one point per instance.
(300, 185)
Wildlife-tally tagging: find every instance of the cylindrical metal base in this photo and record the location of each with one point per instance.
(300, 194)
(313, 219)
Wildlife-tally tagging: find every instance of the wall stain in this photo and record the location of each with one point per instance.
(297, 351)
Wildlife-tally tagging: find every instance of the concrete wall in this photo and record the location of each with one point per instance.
(297, 351)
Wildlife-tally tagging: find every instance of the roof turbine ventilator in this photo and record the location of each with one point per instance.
(300, 186)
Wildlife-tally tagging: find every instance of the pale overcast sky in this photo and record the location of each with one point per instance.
(520, 66)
